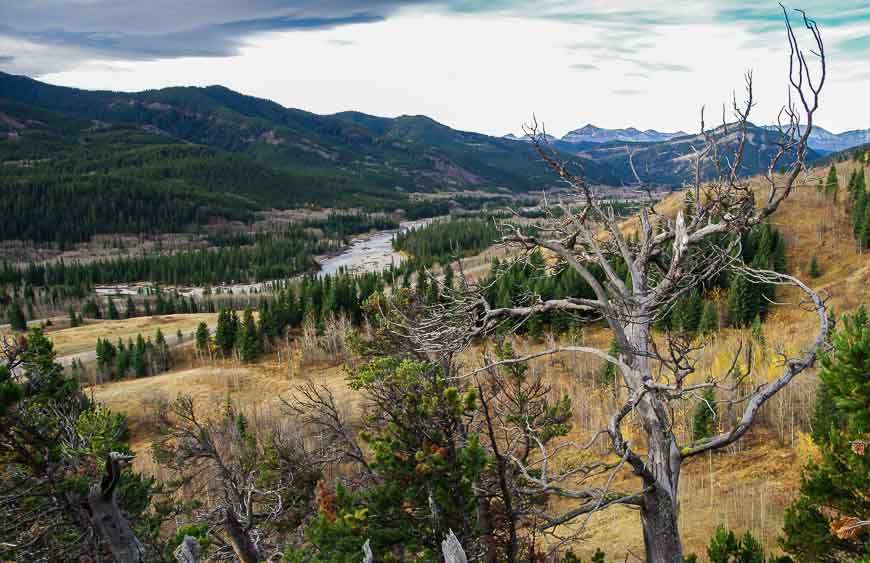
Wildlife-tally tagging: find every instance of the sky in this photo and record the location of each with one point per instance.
(485, 66)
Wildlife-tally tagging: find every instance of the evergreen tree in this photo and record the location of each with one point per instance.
(112, 311)
(225, 332)
(202, 338)
(820, 524)
(832, 184)
(138, 361)
(16, 318)
(608, 369)
(709, 322)
(249, 345)
(814, 269)
(161, 352)
(448, 277)
(74, 320)
(704, 416)
(131, 311)
(122, 361)
(687, 313)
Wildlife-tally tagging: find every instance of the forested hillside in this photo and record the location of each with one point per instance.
(155, 161)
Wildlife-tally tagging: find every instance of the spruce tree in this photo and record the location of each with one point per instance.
(608, 369)
(112, 311)
(819, 525)
(704, 416)
(448, 276)
(814, 269)
(202, 338)
(709, 319)
(131, 311)
(248, 340)
(832, 184)
(225, 332)
(16, 318)
(74, 319)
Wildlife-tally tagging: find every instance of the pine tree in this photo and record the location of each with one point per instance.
(225, 332)
(202, 338)
(74, 320)
(709, 322)
(131, 311)
(814, 270)
(687, 314)
(112, 311)
(448, 277)
(704, 417)
(161, 352)
(741, 308)
(832, 184)
(608, 369)
(249, 344)
(16, 318)
(138, 361)
(834, 489)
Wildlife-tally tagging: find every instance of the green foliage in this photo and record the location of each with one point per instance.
(814, 270)
(709, 322)
(425, 461)
(55, 475)
(165, 159)
(726, 547)
(704, 422)
(445, 241)
(608, 369)
(249, 342)
(832, 184)
(16, 318)
(834, 490)
(686, 317)
(202, 338)
(198, 531)
(847, 371)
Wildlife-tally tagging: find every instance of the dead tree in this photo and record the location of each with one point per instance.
(107, 517)
(668, 257)
(255, 481)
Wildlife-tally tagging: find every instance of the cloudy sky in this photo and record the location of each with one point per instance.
(484, 66)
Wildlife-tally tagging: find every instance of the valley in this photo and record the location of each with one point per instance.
(232, 329)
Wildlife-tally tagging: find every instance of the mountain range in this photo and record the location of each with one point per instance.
(821, 140)
(343, 158)
(190, 155)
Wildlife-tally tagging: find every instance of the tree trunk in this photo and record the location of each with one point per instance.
(106, 516)
(241, 543)
(112, 526)
(661, 533)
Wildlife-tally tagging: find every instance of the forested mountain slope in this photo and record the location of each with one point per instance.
(259, 151)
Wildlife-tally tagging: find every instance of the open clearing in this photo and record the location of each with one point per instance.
(83, 338)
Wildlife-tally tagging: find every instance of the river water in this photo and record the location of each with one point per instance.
(369, 253)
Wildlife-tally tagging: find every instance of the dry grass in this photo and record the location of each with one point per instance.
(84, 338)
(255, 389)
(746, 487)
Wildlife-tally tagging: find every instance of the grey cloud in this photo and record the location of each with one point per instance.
(138, 30)
(584, 66)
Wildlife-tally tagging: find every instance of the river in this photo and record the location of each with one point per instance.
(367, 253)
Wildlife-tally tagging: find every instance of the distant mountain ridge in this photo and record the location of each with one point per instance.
(667, 162)
(591, 134)
(824, 141)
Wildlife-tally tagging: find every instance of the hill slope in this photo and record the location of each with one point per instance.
(411, 153)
